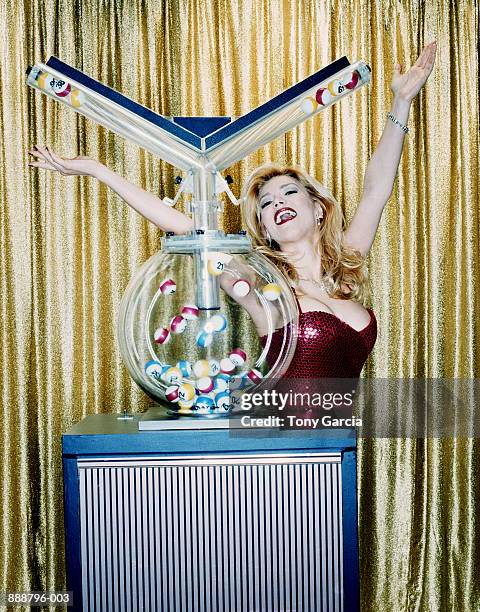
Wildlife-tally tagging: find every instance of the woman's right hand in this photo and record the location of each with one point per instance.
(48, 160)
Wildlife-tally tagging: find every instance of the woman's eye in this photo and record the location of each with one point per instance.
(266, 203)
(290, 192)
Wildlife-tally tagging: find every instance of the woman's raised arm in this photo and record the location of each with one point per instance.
(383, 165)
(145, 203)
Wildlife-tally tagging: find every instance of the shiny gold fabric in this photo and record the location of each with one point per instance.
(69, 247)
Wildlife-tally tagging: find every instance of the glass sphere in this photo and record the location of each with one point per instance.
(191, 359)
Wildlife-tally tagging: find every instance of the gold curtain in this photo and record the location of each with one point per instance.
(69, 247)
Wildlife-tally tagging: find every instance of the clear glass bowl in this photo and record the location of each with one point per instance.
(166, 342)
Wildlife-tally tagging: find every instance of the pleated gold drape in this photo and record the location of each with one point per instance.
(69, 247)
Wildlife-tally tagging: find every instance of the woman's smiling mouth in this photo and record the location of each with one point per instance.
(284, 215)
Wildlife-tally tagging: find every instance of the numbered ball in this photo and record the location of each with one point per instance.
(227, 366)
(168, 286)
(185, 406)
(154, 369)
(255, 376)
(185, 368)
(172, 376)
(214, 367)
(241, 287)
(222, 401)
(201, 368)
(237, 382)
(186, 392)
(323, 96)
(161, 335)
(178, 324)
(190, 312)
(271, 292)
(238, 357)
(204, 339)
(44, 81)
(221, 382)
(171, 393)
(309, 105)
(77, 98)
(204, 403)
(219, 322)
(61, 88)
(351, 80)
(215, 267)
(205, 384)
(336, 87)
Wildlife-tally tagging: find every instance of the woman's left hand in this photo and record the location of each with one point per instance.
(406, 86)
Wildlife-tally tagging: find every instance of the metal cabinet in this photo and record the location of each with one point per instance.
(200, 519)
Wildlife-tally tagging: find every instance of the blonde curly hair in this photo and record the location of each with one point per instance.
(344, 269)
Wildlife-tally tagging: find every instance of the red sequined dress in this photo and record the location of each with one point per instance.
(327, 347)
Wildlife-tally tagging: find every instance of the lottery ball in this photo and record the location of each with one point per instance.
(154, 369)
(255, 376)
(323, 96)
(219, 322)
(201, 368)
(185, 406)
(178, 324)
(208, 327)
(204, 339)
(77, 98)
(204, 403)
(214, 367)
(271, 291)
(185, 368)
(189, 312)
(238, 357)
(351, 80)
(171, 393)
(168, 286)
(205, 384)
(335, 87)
(44, 81)
(227, 366)
(161, 335)
(61, 88)
(173, 376)
(186, 392)
(215, 267)
(222, 401)
(241, 287)
(221, 382)
(309, 105)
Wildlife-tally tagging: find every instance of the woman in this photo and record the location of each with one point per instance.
(298, 224)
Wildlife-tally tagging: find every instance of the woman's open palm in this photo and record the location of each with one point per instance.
(48, 160)
(408, 85)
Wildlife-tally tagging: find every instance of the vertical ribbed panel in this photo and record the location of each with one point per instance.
(214, 534)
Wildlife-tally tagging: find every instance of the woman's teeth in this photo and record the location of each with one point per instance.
(284, 215)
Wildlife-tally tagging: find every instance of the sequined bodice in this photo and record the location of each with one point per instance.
(327, 347)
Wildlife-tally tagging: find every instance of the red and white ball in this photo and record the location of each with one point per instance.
(190, 312)
(205, 384)
(351, 80)
(168, 286)
(241, 287)
(161, 335)
(238, 357)
(178, 324)
(323, 96)
(171, 393)
(255, 376)
(227, 366)
(61, 88)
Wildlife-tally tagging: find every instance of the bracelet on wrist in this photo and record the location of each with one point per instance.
(395, 121)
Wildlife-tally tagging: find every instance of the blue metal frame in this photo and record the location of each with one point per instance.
(71, 496)
(351, 575)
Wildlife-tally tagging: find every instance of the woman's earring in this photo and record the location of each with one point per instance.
(318, 218)
(269, 238)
